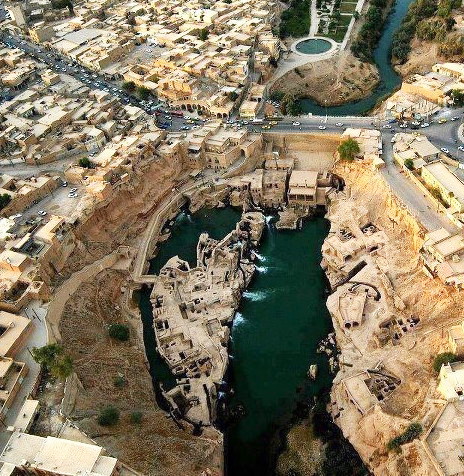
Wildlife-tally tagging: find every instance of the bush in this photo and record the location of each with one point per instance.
(119, 382)
(409, 164)
(136, 417)
(128, 86)
(412, 432)
(444, 358)
(143, 92)
(119, 332)
(5, 199)
(108, 416)
(86, 163)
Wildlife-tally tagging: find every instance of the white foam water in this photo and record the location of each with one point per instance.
(255, 295)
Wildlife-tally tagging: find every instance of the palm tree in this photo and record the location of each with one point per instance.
(348, 149)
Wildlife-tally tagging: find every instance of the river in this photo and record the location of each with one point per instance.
(389, 79)
(281, 319)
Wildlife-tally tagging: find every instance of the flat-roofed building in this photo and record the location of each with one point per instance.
(438, 176)
(13, 331)
(451, 381)
(34, 455)
(302, 188)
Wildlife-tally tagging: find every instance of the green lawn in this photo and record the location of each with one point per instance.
(345, 20)
(347, 7)
(337, 35)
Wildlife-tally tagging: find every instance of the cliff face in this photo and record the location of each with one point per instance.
(389, 319)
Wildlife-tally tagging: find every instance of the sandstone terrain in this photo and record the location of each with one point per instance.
(406, 354)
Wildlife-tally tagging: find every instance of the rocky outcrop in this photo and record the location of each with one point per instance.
(193, 309)
(386, 315)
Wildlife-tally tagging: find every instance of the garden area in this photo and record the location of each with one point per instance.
(335, 17)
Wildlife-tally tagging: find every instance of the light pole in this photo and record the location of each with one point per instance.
(326, 116)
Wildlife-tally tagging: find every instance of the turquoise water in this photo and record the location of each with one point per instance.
(389, 79)
(313, 47)
(281, 319)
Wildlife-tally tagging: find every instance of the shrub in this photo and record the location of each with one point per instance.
(409, 164)
(412, 432)
(143, 92)
(108, 416)
(119, 332)
(444, 358)
(136, 417)
(5, 199)
(119, 382)
(86, 163)
(128, 86)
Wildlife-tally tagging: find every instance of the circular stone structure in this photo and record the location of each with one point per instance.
(313, 46)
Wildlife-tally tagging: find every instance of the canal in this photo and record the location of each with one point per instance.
(389, 79)
(281, 319)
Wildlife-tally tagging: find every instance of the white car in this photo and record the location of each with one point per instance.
(322, 128)
(296, 124)
(72, 195)
(461, 148)
(387, 126)
(425, 124)
(42, 213)
(339, 124)
(403, 126)
(444, 150)
(17, 215)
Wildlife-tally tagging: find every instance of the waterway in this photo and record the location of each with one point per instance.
(389, 79)
(275, 332)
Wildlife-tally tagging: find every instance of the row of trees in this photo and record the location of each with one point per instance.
(5, 199)
(364, 45)
(141, 91)
(295, 20)
(430, 20)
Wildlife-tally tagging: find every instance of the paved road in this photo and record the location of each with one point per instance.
(419, 205)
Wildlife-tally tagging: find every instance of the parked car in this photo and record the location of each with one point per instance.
(42, 213)
(444, 150)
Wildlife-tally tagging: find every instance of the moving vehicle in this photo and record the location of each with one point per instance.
(444, 150)
(296, 123)
(322, 128)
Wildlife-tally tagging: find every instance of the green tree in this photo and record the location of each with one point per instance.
(62, 368)
(85, 162)
(53, 358)
(119, 332)
(443, 358)
(128, 86)
(233, 96)
(108, 416)
(348, 149)
(203, 34)
(457, 95)
(143, 92)
(47, 354)
(409, 164)
(276, 95)
(136, 417)
(5, 199)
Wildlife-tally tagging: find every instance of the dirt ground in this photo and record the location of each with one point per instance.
(156, 446)
(337, 80)
(421, 59)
